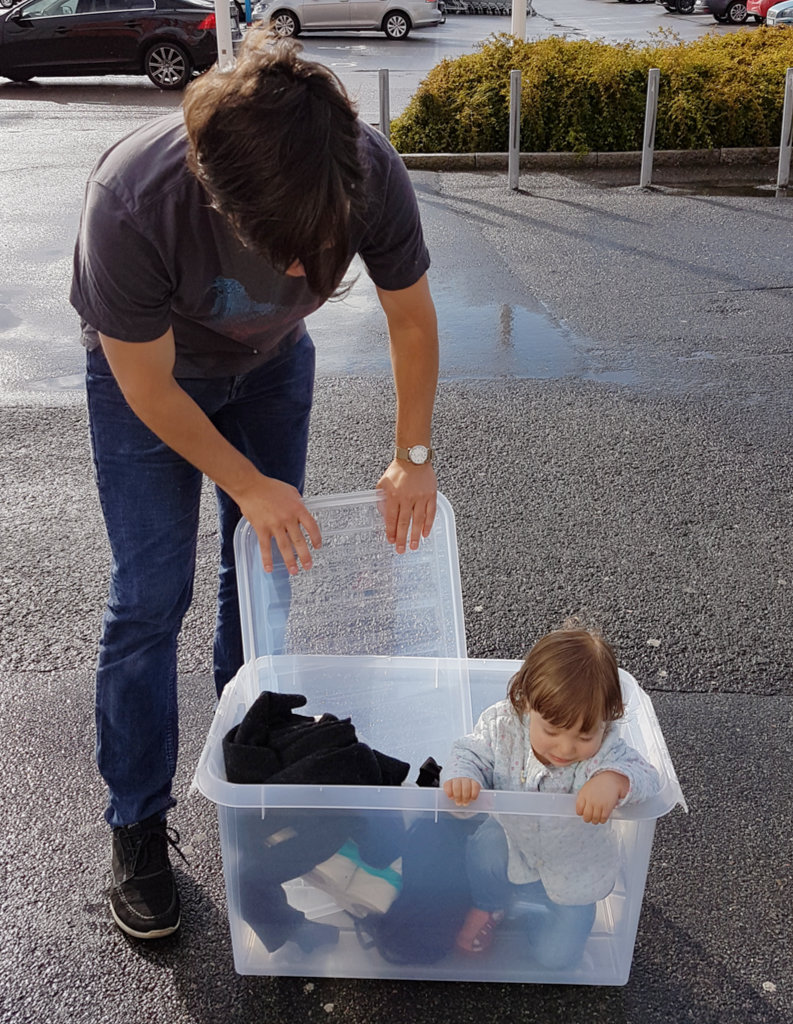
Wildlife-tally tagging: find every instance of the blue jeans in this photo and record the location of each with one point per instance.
(557, 933)
(150, 500)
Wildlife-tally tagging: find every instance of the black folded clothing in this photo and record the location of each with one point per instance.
(273, 744)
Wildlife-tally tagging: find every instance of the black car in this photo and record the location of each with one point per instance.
(168, 40)
(679, 6)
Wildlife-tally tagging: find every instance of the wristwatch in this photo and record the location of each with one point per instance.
(418, 454)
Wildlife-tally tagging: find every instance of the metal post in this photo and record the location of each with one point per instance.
(223, 29)
(650, 116)
(513, 158)
(786, 138)
(385, 106)
(518, 26)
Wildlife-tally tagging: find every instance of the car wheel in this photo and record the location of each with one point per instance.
(396, 25)
(736, 13)
(686, 6)
(285, 24)
(168, 65)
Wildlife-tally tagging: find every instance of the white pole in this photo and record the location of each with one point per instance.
(385, 104)
(513, 159)
(518, 27)
(223, 29)
(650, 116)
(786, 138)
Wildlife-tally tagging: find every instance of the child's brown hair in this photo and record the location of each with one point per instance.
(569, 676)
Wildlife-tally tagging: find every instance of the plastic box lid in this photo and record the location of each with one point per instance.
(360, 597)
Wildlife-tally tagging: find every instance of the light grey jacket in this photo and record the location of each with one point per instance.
(577, 863)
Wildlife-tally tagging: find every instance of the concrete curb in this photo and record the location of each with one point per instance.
(693, 158)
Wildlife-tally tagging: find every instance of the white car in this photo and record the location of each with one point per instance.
(396, 19)
(780, 14)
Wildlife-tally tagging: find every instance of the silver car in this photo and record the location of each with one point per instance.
(395, 18)
(780, 14)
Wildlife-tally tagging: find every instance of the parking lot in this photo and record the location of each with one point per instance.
(614, 432)
(358, 57)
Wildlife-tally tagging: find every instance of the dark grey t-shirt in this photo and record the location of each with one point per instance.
(152, 254)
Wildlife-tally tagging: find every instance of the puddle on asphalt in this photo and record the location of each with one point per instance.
(8, 320)
(504, 340)
(478, 342)
(67, 382)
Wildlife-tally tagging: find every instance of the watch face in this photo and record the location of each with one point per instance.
(419, 454)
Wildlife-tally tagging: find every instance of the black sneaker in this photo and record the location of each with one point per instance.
(144, 900)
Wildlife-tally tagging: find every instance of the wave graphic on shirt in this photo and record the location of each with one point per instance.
(234, 306)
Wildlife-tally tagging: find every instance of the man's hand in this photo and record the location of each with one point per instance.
(409, 496)
(462, 790)
(276, 512)
(598, 797)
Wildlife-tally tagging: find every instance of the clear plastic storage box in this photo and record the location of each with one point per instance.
(379, 638)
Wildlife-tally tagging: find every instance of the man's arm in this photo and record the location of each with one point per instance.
(144, 372)
(410, 491)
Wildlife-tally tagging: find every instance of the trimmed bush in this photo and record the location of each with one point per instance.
(580, 96)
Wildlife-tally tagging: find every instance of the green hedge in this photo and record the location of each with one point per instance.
(580, 96)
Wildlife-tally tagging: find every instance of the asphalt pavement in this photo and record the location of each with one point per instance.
(638, 473)
(614, 434)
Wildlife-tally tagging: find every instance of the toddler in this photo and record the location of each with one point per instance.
(554, 734)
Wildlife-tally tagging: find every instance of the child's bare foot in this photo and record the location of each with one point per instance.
(476, 934)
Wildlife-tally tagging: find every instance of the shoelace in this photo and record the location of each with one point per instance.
(142, 851)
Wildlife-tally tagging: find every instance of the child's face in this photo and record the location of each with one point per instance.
(556, 746)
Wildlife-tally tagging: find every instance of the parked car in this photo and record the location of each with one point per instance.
(732, 12)
(780, 14)
(168, 40)
(679, 6)
(394, 17)
(758, 9)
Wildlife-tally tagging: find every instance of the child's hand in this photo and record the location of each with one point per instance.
(462, 791)
(598, 797)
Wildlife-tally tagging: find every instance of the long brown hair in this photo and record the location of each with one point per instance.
(275, 143)
(569, 676)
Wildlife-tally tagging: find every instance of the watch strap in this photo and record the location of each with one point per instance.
(404, 453)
